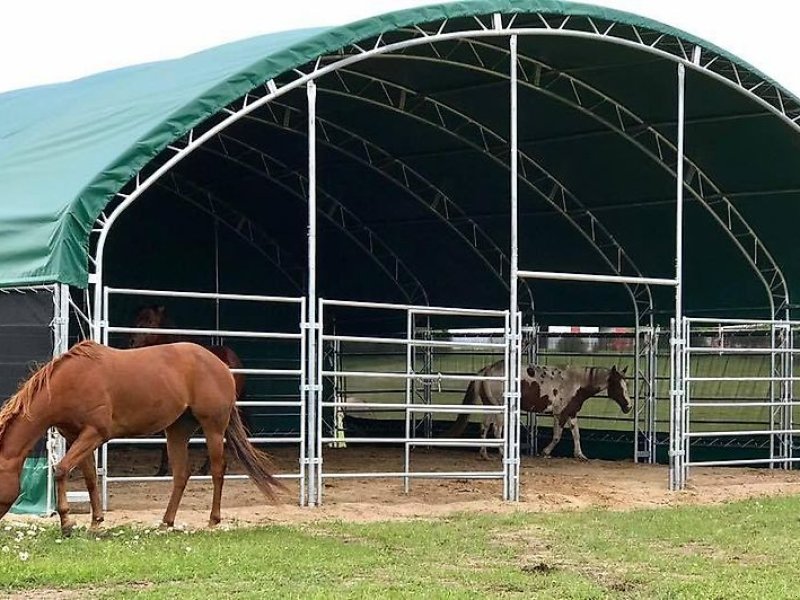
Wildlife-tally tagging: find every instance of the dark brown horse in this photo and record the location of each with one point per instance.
(155, 317)
(559, 391)
(92, 394)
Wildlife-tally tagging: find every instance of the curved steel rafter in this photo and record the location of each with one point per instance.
(406, 101)
(574, 92)
(335, 212)
(238, 223)
(411, 181)
(704, 60)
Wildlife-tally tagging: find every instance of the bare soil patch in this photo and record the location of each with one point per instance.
(547, 485)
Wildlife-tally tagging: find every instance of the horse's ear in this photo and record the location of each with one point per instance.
(614, 369)
(625, 369)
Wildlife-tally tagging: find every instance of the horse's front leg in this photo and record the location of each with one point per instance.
(484, 454)
(558, 428)
(576, 439)
(89, 471)
(83, 446)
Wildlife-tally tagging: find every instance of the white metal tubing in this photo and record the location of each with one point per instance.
(744, 378)
(742, 404)
(444, 442)
(513, 342)
(418, 376)
(740, 462)
(266, 335)
(303, 406)
(430, 310)
(204, 295)
(313, 367)
(410, 359)
(748, 432)
(750, 322)
(198, 440)
(287, 372)
(595, 277)
(267, 403)
(231, 477)
(721, 351)
(419, 475)
(410, 342)
(425, 408)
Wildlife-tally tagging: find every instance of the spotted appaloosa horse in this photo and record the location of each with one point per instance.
(560, 391)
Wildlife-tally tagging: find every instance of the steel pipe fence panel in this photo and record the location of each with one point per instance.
(422, 346)
(738, 344)
(298, 407)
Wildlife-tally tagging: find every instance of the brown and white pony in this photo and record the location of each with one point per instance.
(93, 393)
(155, 317)
(560, 391)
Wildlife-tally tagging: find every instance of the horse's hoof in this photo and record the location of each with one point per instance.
(213, 522)
(97, 522)
(582, 458)
(66, 530)
(164, 525)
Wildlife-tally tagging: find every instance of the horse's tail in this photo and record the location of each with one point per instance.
(257, 463)
(460, 425)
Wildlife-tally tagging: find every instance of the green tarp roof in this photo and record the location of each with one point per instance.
(66, 149)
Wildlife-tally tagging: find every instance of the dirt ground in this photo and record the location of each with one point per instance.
(547, 485)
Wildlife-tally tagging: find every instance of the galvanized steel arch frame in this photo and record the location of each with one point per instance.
(453, 122)
(400, 174)
(578, 95)
(335, 212)
(715, 66)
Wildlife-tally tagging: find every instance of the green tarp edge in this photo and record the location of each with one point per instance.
(62, 255)
(33, 483)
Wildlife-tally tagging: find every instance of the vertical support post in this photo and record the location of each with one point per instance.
(219, 340)
(56, 445)
(312, 325)
(511, 454)
(103, 470)
(304, 439)
(410, 356)
(677, 340)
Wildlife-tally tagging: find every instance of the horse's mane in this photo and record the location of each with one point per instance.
(20, 402)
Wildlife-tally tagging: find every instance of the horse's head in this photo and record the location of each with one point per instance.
(152, 317)
(618, 389)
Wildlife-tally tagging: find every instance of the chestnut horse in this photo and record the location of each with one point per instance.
(155, 317)
(93, 393)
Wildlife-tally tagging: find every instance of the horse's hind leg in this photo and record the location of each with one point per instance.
(90, 478)
(85, 443)
(178, 435)
(216, 458)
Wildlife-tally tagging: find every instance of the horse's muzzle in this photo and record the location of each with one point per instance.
(627, 409)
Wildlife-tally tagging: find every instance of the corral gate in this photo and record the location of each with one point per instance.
(294, 334)
(417, 379)
(757, 355)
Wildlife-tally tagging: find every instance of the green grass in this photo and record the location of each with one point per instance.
(741, 550)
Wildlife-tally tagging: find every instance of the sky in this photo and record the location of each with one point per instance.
(49, 41)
